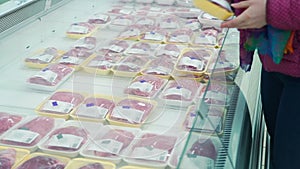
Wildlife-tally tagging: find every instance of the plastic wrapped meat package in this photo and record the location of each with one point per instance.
(114, 47)
(194, 60)
(94, 108)
(81, 29)
(118, 11)
(142, 48)
(130, 66)
(180, 92)
(110, 144)
(75, 57)
(83, 163)
(8, 120)
(151, 149)
(60, 104)
(180, 36)
(169, 22)
(206, 37)
(193, 24)
(185, 3)
(132, 32)
(147, 86)
(211, 123)
(209, 21)
(144, 1)
(41, 160)
(146, 21)
(154, 35)
(10, 157)
(202, 151)
(217, 94)
(169, 50)
(184, 12)
(121, 22)
(42, 58)
(131, 112)
(30, 132)
(69, 138)
(50, 78)
(161, 67)
(86, 43)
(99, 19)
(101, 63)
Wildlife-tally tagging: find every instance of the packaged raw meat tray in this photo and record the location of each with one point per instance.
(60, 104)
(81, 29)
(130, 65)
(212, 123)
(154, 35)
(86, 43)
(142, 48)
(101, 63)
(41, 160)
(94, 108)
(115, 47)
(75, 57)
(83, 163)
(121, 22)
(180, 36)
(131, 112)
(50, 78)
(202, 150)
(206, 37)
(169, 50)
(8, 120)
(10, 157)
(132, 32)
(161, 66)
(180, 92)
(30, 132)
(69, 138)
(151, 149)
(42, 58)
(194, 60)
(110, 144)
(99, 18)
(147, 86)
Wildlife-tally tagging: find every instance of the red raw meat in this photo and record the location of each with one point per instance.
(75, 56)
(7, 121)
(92, 166)
(99, 102)
(131, 104)
(61, 71)
(191, 85)
(41, 125)
(48, 51)
(132, 63)
(205, 148)
(197, 55)
(40, 162)
(7, 158)
(119, 135)
(73, 130)
(156, 84)
(74, 98)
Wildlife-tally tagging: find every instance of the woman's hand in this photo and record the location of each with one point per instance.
(254, 15)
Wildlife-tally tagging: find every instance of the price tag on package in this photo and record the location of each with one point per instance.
(58, 106)
(21, 136)
(128, 113)
(107, 145)
(65, 141)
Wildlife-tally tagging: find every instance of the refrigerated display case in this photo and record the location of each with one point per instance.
(226, 115)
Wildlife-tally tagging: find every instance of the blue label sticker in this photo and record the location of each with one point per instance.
(90, 104)
(126, 107)
(54, 103)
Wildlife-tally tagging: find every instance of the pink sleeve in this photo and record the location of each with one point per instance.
(284, 14)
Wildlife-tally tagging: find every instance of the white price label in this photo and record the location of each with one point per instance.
(43, 57)
(205, 39)
(142, 85)
(101, 17)
(154, 36)
(99, 63)
(125, 11)
(180, 91)
(128, 113)
(65, 141)
(187, 61)
(78, 29)
(116, 48)
(159, 70)
(131, 33)
(47, 75)
(146, 22)
(70, 60)
(194, 25)
(180, 38)
(21, 136)
(137, 51)
(58, 106)
(89, 110)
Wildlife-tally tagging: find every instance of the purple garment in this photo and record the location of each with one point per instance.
(282, 15)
